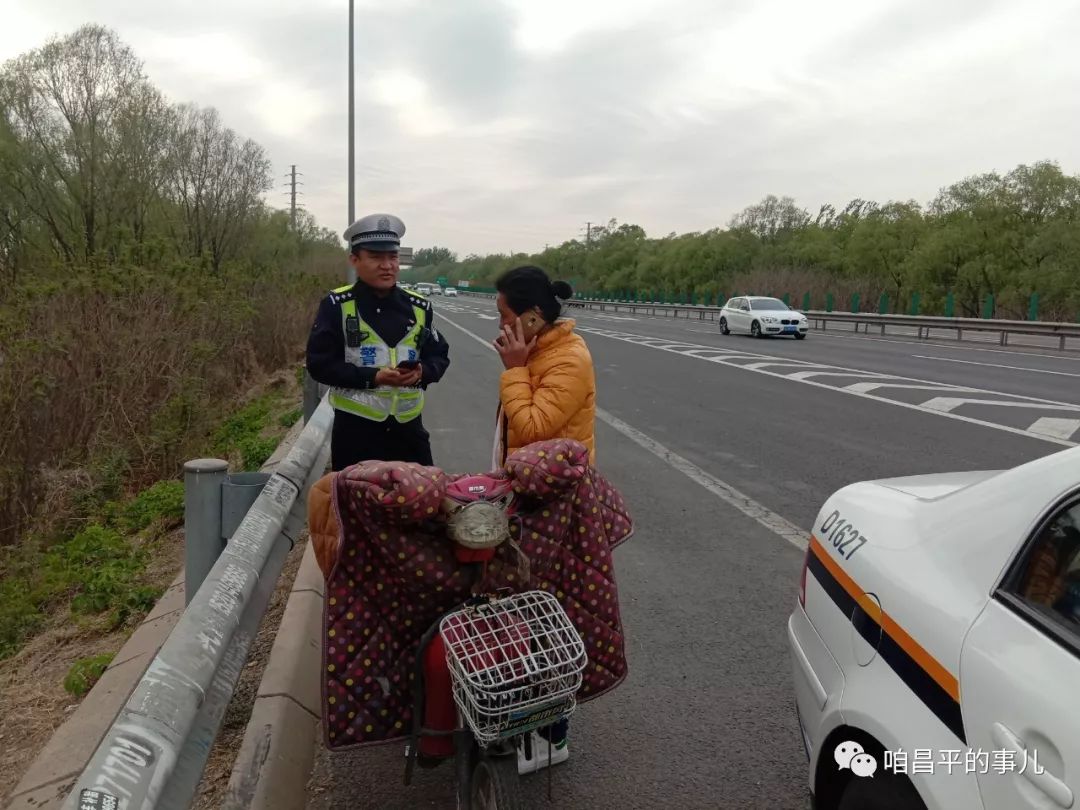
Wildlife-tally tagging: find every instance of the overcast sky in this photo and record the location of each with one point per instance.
(491, 125)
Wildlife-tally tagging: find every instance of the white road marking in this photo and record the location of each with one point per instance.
(1053, 426)
(639, 340)
(805, 375)
(1056, 427)
(995, 365)
(486, 317)
(947, 404)
(960, 347)
(865, 387)
(725, 492)
(766, 364)
(711, 352)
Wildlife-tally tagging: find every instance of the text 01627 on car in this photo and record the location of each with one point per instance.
(761, 316)
(936, 642)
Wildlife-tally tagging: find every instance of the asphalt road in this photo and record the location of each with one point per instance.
(706, 717)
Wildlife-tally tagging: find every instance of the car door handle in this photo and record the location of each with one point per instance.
(1045, 781)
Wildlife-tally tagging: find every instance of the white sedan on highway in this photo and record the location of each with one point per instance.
(936, 642)
(760, 316)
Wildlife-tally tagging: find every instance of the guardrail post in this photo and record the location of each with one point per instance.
(203, 478)
(1033, 307)
(950, 305)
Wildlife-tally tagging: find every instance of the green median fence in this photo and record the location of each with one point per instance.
(914, 303)
(883, 304)
(854, 302)
(950, 305)
(806, 301)
(1033, 307)
(988, 306)
(828, 302)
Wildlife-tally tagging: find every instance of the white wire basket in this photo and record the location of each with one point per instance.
(516, 664)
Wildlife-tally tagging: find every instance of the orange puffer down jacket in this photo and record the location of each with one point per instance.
(553, 397)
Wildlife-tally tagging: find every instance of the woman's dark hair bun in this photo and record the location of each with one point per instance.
(562, 290)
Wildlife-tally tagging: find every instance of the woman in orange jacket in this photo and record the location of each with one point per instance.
(548, 391)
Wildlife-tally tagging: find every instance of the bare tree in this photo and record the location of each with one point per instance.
(67, 99)
(217, 180)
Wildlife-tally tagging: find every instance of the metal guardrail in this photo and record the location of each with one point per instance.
(154, 754)
(923, 324)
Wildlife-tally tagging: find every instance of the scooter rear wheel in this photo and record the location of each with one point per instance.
(496, 785)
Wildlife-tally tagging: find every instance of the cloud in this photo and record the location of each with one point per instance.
(498, 124)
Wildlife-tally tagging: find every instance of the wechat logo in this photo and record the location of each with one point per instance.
(852, 755)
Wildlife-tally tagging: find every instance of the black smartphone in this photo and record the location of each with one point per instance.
(409, 365)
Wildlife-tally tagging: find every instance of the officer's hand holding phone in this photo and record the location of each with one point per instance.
(406, 375)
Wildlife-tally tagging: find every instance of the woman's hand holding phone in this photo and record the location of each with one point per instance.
(512, 346)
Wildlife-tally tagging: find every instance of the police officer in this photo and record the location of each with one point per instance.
(375, 345)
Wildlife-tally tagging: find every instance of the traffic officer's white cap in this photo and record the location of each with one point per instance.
(379, 233)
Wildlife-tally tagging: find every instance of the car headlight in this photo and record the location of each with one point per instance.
(769, 319)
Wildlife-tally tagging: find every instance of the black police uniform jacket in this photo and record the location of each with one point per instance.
(390, 317)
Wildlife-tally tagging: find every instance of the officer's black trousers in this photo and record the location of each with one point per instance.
(355, 439)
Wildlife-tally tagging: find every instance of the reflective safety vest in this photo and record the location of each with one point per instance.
(376, 404)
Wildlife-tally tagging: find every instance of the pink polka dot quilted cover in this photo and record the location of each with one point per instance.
(396, 574)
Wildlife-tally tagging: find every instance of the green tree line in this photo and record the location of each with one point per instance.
(96, 164)
(988, 240)
(146, 287)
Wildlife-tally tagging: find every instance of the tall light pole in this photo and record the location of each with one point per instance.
(351, 275)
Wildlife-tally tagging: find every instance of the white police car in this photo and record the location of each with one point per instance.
(936, 642)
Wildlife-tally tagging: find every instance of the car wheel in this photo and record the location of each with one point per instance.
(885, 791)
(755, 329)
(800, 336)
(724, 327)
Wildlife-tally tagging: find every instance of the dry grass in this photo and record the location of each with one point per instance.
(33, 701)
(124, 373)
